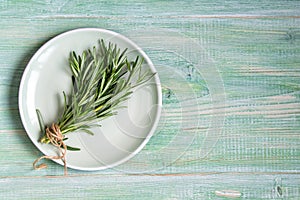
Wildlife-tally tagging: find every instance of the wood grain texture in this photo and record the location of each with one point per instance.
(230, 73)
(202, 186)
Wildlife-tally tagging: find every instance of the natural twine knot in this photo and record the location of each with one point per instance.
(55, 136)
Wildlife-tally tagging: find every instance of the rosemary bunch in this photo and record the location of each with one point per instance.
(103, 77)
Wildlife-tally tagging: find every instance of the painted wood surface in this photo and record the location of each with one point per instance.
(230, 72)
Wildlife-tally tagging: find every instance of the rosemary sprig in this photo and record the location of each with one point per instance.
(102, 79)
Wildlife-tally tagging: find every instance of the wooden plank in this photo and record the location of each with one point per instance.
(202, 186)
(135, 8)
(233, 153)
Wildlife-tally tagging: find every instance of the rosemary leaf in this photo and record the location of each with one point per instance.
(103, 77)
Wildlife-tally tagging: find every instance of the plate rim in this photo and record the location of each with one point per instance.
(157, 82)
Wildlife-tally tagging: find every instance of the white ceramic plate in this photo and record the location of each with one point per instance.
(121, 137)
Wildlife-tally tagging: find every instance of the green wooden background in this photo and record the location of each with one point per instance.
(230, 72)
